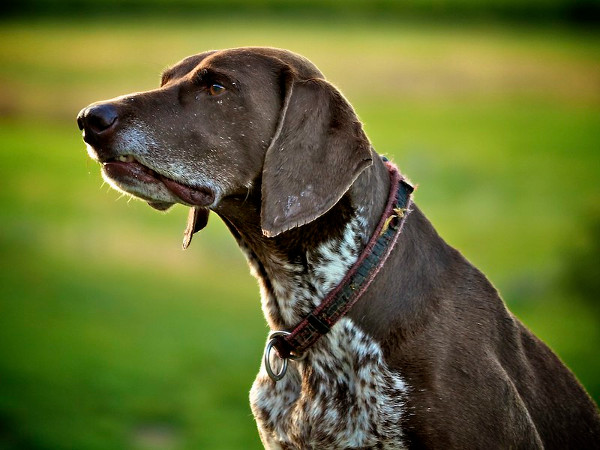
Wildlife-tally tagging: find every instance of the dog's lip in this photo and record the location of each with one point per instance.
(193, 196)
(126, 166)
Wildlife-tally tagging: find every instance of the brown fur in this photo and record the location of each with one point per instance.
(289, 166)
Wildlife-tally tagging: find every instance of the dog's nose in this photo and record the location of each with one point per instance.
(97, 119)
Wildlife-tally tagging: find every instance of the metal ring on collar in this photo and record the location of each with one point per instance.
(281, 373)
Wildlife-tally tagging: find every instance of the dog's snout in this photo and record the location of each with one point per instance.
(80, 123)
(97, 119)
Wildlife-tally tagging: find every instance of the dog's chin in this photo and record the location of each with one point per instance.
(158, 205)
(129, 176)
(159, 192)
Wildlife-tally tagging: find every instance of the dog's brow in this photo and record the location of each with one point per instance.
(166, 76)
(172, 72)
(210, 74)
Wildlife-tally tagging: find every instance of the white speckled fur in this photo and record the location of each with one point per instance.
(342, 395)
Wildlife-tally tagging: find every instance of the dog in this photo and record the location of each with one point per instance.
(383, 335)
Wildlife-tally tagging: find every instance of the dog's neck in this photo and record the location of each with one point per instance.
(298, 268)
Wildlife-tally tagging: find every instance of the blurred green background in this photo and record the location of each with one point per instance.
(112, 337)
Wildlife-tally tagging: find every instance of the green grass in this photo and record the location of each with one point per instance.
(112, 337)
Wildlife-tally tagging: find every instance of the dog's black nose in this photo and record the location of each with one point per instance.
(97, 119)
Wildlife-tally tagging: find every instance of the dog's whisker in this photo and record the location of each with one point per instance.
(249, 190)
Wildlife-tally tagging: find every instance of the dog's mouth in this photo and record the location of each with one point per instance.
(160, 192)
(141, 181)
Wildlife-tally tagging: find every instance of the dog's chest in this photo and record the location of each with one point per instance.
(341, 396)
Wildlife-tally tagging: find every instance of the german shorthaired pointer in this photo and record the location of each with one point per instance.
(384, 336)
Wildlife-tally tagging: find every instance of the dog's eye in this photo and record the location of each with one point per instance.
(216, 89)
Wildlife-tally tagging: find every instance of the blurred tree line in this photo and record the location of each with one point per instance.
(578, 12)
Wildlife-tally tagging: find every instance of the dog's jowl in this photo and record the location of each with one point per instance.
(383, 336)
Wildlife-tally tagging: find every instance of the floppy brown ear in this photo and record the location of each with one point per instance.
(318, 150)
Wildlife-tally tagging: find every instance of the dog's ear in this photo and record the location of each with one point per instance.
(318, 150)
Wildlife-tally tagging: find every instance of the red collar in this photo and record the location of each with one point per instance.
(292, 345)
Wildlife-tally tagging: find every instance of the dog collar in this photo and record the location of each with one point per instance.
(292, 345)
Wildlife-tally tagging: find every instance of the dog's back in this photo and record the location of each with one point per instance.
(479, 378)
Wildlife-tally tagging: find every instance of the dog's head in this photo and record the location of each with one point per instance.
(225, 122)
